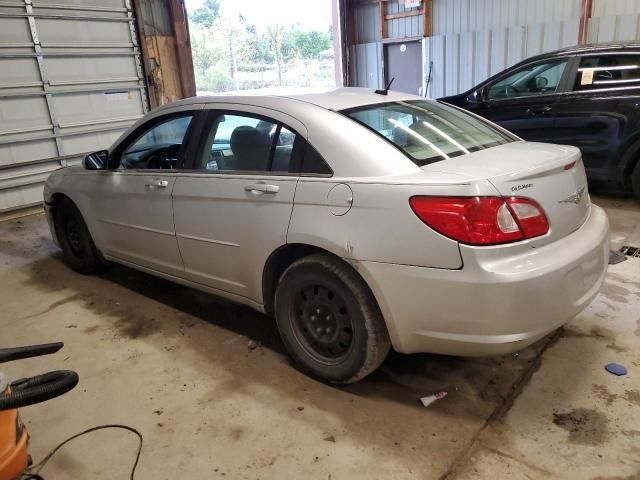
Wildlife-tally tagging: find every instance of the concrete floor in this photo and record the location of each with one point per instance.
(174, 364)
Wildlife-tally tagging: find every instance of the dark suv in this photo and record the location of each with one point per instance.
(585, 96)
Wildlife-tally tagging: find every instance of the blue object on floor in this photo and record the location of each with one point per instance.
(615, 368)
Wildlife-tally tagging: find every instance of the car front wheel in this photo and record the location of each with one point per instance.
(75, 240)
(329, 320)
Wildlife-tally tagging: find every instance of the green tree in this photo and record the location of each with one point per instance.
(206, 15)
(309, 44)
(276, 35)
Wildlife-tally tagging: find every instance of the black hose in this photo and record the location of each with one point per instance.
(40, 388)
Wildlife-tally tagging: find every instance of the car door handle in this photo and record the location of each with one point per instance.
(157, 184)
(261, 188)
(539, 110)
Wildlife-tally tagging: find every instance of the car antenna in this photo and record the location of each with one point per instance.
(385, 90)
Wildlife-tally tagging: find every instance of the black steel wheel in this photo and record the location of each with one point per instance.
(329, 320)
(322, 323)
(75, 240)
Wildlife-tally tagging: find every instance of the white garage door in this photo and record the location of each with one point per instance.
(70, 82)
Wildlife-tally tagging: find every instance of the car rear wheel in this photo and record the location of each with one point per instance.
(78, 248)
(329, 320)
(635, 181)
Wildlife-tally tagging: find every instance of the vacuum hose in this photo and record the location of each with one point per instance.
(40, 388)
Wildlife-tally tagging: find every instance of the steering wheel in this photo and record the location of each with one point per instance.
(510, 91)
(169, 156)
(166, 159)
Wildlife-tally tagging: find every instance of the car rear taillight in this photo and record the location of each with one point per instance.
(482, 220)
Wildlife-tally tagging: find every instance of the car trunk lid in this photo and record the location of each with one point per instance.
(552, 175)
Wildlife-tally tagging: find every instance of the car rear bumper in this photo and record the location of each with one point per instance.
(500, 301)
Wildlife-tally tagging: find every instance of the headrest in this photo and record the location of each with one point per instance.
(247, 137)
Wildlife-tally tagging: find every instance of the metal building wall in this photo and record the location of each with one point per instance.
(366, 45)
(70, 82)
(614, 20)
(403, 27)
(474, 39)
(459, 16)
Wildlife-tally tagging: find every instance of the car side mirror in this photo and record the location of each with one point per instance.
(477, 96)
(96, 160)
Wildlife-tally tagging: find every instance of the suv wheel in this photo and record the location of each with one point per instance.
(329, 320)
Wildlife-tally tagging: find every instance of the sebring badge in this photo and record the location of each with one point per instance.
(576, 197)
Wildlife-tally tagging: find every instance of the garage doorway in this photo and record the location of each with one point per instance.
(403, 61)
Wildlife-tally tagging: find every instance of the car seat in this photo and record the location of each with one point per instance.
(251, 148)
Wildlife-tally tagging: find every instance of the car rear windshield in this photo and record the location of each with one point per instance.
(428, 131)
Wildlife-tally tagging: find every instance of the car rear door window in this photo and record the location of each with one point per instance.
(608, 71)
(237, 142)
(531, 80)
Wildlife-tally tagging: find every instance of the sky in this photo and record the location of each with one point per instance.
(310, 14)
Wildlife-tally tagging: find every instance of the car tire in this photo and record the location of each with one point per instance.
(635, 181)
(329, 320)
(79, 251)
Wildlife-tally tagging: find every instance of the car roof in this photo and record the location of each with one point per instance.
(589, 48)
(333, 99)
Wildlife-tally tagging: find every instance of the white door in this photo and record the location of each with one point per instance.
(233, 211)
(133, 204)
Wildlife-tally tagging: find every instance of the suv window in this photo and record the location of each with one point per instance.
(537, 79)
(157, 147)
(237, 142)
(608, 71)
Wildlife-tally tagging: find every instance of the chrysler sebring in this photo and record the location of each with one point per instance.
(360, 220)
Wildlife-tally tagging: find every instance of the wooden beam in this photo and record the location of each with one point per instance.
(411, 13)
(428, 18)
(383, 21)
(585, 15)
(183, 47)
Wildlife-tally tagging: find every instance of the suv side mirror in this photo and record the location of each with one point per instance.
(477, 96)
(96, 160)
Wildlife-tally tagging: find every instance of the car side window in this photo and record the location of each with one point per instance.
(608, 71)
(537, 79)
(239, 142)
(159, 146)
(313, 163)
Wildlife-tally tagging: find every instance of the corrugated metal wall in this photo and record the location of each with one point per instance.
(474, 39)
(403, 27)
(614, 20)
(460, 16)
(70, 82)
(365, 54)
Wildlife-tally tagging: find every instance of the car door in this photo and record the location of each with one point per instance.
(233, 209)
(523, 99)
(132, 199)
(600, 110)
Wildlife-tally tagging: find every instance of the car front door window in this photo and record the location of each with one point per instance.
(157, 147)
(531, 80)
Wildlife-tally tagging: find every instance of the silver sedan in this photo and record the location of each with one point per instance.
(359, 220)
